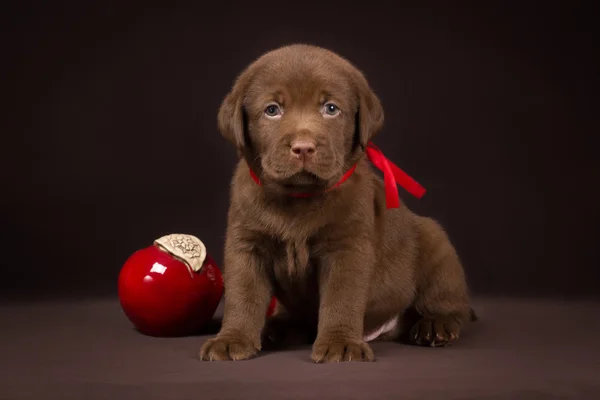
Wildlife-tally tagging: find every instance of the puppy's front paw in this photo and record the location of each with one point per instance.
(228, 347)
(341, 350)
(435, 332)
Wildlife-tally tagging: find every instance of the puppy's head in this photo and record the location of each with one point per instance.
(301, 116)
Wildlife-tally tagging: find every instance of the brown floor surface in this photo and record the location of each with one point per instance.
(521, 349)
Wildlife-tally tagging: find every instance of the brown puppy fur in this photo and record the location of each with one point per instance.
(339, 262)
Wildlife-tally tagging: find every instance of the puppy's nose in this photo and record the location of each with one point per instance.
(303, 149)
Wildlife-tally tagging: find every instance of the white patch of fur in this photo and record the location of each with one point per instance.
(385, 328)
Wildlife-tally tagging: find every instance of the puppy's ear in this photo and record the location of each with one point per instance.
(230, 118)
(370, 116)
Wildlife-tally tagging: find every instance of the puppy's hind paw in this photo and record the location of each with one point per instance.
(435, 332)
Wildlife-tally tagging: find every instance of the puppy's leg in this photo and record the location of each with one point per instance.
(247, 296)
(343, 285)
(442, 300)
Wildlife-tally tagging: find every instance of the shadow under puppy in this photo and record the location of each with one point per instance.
(308, 221)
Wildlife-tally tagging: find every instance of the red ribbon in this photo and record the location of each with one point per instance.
(392, 175)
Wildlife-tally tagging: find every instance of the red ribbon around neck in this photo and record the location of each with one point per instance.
(392, 175)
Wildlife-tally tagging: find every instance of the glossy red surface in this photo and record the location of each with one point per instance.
(161, 296)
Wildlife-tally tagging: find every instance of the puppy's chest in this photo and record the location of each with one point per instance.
(294, 272)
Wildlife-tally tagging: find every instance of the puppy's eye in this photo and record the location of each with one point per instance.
(272, 110)
(331, 110)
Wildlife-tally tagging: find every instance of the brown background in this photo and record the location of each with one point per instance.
(111, 140)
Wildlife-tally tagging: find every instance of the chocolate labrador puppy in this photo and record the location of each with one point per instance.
(308, 221)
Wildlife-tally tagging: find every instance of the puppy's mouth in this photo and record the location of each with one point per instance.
(296, 182)
(292, 177)
(303, 180)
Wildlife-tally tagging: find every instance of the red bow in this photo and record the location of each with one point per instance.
(392, 175)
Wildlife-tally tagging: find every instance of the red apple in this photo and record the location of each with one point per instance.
(171, 288)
